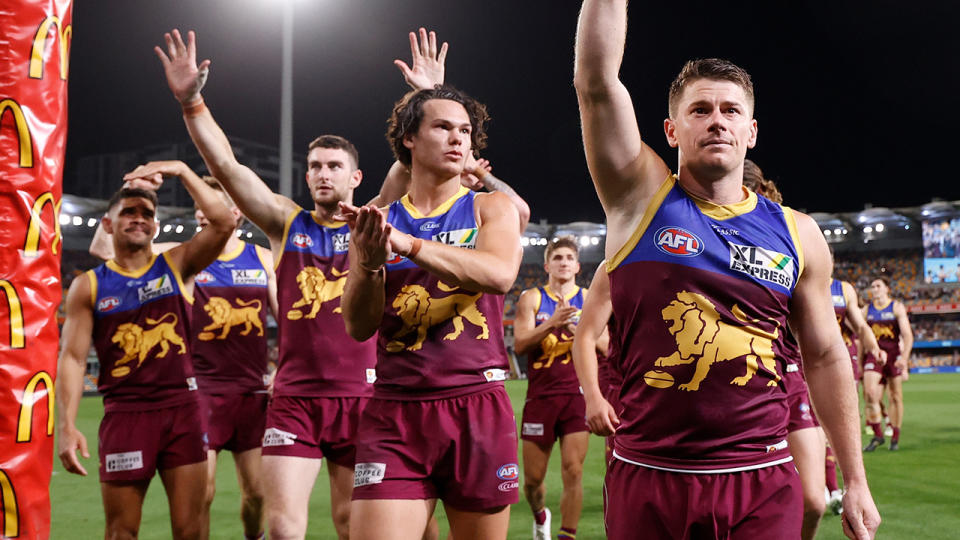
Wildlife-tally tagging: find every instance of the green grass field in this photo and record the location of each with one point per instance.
(916, 488)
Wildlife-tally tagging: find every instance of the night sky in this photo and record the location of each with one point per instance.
(856, 101)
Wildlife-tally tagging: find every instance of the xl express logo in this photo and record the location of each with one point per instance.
(156, 288)
(764, 264)
(678, 241)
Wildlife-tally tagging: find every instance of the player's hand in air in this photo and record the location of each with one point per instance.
(428, 62)
(369, 232)
(470, 178)
(184, 76)
(149, 183)
(601, 418)
(152, 173)
(69, 440)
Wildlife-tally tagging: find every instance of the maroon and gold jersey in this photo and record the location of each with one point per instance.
(840, 310)
(437, 340)
(701, 295)
(883, 322)
(550, 368)
(317, 356)
(140, 334)
(229, 323)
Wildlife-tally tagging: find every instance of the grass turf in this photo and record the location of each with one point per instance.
(915, 488)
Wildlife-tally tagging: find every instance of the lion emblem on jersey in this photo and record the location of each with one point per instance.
(137, 342)
(317, 289)
(702, 337)
(554, 347)
(419, 312)
(225, 317)
(882, 331)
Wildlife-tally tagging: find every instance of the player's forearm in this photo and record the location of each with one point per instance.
(209, 202)
(472, 269)
(69, 389)
(585, 363)
(601, 35)
(102, 244)
(493, 183)
(834, 396)
(395, 185)
(524, 341)
(363, 301)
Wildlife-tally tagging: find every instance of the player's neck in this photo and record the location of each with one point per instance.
(232, 244)
(429, 190)
(561, 287)
(327, 213)
(881, 302)
(718, 189)
(132, 258)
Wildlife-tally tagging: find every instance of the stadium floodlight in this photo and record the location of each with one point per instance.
(826, 232)
(524, 241)
(92, 222)
(584, 241)
(249, 234)
(879, 227)
(77, 220)
(595, 241)
(838, 231)
(64, 219)
(868, 229)
(239, 232)
(167, 227)
(179, 229)
(906, 226)
(199, 228)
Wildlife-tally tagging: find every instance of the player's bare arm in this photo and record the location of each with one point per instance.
(363, 294)
(268, 264)
(197, 253)
(478, 173)
(906, 333)
(75, 345)
(253, 197)
(858, 323)
(625, 171)
(828, 373)
(527, 333)
(601, 418)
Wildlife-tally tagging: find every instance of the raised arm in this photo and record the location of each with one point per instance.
(858, 323)
(74, 347)
(827, 369)
(253, 197)
(197, 253)
(101, 246)
(267, 258)
(625, 171)
(601, 418)
(364, 295)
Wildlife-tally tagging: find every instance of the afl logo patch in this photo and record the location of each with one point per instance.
(301, 240)
(204, 277)
(678, 241)
(108, 303)
(510, 471)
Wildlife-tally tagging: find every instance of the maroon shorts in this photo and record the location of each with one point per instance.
(801, 413)
(887, 370)
(761, 503)
(235, 422)
(313, 427)
(462, 450)
(135, 444)
(548, 418)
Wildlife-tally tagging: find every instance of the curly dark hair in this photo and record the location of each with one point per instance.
(408, 113)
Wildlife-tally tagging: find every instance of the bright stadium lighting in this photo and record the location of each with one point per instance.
(167, 227)
(826, 232)
(239, 232)
(868, 229)
(584, 241)
(179, 229)
(906, 226)
(838, 231)
(199, 228)
(594, 241)
(879, 227)
(524, 241)
(77, 220)
(64, 219)
(249, 234)
(92, 222)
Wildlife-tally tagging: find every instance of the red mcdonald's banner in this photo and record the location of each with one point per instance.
(34, 63)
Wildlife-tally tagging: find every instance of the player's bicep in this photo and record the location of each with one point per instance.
(525, 319)
(498, 233)
(78, 326)
(811, 306)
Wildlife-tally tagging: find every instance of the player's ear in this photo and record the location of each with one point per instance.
(408, 140)
(669, 129)
(752, 141)
(355, 178)
(107, 223)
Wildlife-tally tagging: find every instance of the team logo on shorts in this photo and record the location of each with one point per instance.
(365, 474)
(678, 241)
(124, 461)
(495, 374)
(531, 429)
(108, 303)
(371, 374)
(301, 240)
(278, 437)
(805, 411)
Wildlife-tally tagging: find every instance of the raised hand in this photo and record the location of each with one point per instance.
(470, 178)
(151, 174)
(428, 63)
(184, 76)
(370, 233)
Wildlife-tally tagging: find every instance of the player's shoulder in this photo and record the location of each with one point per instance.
(529, 298)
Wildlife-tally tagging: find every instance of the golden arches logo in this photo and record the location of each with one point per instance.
(64, 35)
(31, 246)
(17, 333)
(11, 512)
(29, 399)
(23, 131)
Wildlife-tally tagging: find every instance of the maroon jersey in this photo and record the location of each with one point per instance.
(701, 296)
(840, 310)
(550, 369)
(437, 340)
(792, 364)
(883, 322)
(140, 334)
(317, 356)
(229, 323)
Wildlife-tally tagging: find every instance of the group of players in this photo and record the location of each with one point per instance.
(391, 348)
